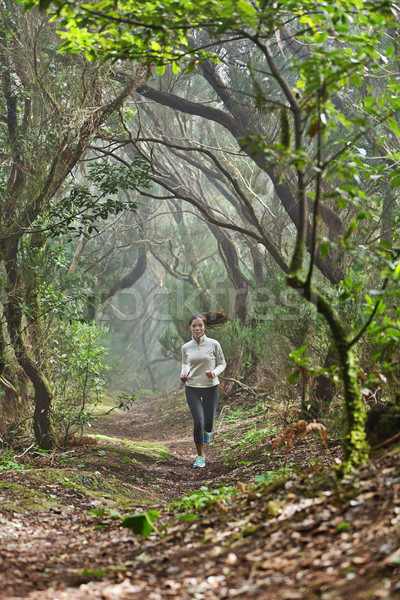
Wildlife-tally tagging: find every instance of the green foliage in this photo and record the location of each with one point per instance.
(304, 368)
(8, 462)
(188, 517)
(139, 31)
(99, 199)
(125, 401)
(143, 523)
(343, 526)
(252, 438)
(78, 367)
(239, 413)
(98, 573)
(269, 476)
(204, 497)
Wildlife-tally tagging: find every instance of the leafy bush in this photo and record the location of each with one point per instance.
(78, 369)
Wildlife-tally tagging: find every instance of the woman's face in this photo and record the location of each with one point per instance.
(197, 327)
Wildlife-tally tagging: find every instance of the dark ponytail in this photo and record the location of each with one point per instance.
(211, 318)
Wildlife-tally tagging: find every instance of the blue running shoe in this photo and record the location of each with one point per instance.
(199, 462)
(207, 437)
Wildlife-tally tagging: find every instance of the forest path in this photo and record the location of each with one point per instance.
(60, 549)
(304, 539)
(167, 421)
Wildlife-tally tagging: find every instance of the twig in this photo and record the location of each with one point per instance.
(245, 387)
(255, 391)
(221, 418)
(27, 450)
(386, 442)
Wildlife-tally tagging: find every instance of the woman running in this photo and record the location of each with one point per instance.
(202, 362)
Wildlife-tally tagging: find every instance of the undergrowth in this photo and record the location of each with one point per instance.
(225, 494)
(252, 438)
(204, 497)
(9, 463)
(239, 413)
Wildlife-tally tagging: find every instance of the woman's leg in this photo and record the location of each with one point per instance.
(193, 397)
(210, 403)
(200, 449)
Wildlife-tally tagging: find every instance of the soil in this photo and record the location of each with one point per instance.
(306, 537)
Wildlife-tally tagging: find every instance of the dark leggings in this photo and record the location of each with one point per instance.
(203, 405)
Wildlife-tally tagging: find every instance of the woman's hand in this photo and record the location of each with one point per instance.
(210, 374)
(184, 378)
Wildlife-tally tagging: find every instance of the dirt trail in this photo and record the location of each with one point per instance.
(303, 540)
(167, 421)
(44, 550)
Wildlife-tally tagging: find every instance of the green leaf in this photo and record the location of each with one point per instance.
(188, 517)
(385, 244)
(191, 67)
(390, 51)
(98, 513)
(348, 281)
(393, 126)
(297, 353)
(160, 70)
(395, 181)
(175, 68)
(141, 524)
(293, 377)
(93, 572)
(324, 249)
(343, 526)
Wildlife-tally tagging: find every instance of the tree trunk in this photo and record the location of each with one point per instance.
(130, 278)
(232, 372)
(388, 216)
(9, 406)
(324, 388)
(230, 259)
(11, 400)
(42, 419)
(355, 445)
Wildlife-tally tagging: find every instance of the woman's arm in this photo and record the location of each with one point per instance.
(185, 366)
(220, 363)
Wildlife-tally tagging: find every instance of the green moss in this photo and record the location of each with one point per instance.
(150, 449)
(22, 499)
(112, 493)
(250, 530)
(106, 403)
(92, 485)
(272, 509)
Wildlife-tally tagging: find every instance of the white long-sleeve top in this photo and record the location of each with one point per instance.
(199, 357)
